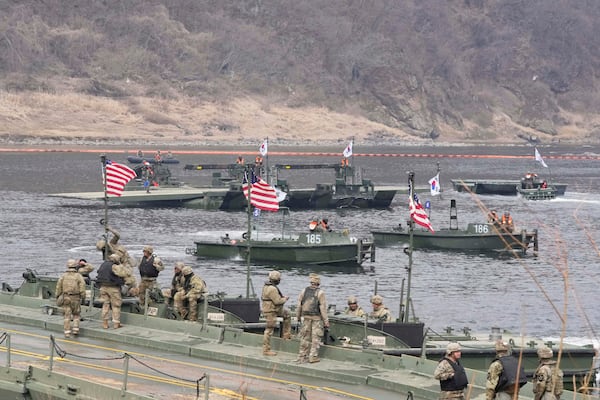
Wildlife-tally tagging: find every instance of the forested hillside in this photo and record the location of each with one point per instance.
(237, 70)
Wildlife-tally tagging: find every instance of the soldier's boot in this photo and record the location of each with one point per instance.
(269, 353)
(76, 326)
(193, 315)
(67, 327)
(105, 323)
(116, 325)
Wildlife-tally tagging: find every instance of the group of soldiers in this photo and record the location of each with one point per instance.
(505, 222)
(505, 375)
(116, 278)
(311, 311)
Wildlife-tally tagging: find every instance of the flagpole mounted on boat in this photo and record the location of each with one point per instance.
(104, 221)
(248, 178)
(409, 250)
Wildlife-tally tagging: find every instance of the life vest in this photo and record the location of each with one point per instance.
(325, 226)
(239, 161)
(508, 377)
(106, 275)
(258, 160)
(459, 381)
(147, 269)
(313, 225)
(344, 162)
(310, 301)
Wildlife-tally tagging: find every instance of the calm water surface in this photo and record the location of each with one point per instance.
(524, 295)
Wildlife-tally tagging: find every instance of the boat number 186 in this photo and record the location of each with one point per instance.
(481, 228)
(313, 238)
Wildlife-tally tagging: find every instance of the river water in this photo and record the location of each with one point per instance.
(525, 295)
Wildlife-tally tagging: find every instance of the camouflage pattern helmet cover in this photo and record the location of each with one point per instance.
(501, 347)
(377, 299)
(114, 257)
(452, 347)
(179, 265)
(149, 249)
(187, 270)
(274, 276)
(544, 352)
(71, 264)
(315, 278)
(352, 300)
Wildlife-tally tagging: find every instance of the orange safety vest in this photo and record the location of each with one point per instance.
(258, 160)
(239, 160)
(312, 225)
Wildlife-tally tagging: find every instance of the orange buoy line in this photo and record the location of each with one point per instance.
(302, 153)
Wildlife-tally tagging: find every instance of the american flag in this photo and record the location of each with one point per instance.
(417, 212)
(263, 195)
(117, 176)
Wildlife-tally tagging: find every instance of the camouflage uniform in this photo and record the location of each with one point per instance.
(452, 375)
(272, 307)
(176, 281)
(125, 260)
(380, 312)
(71, 286)
(149, 266)
(496, 372)
(312, 305)
(110, 277)
(193, 289)
(356, 312)
(548, 378)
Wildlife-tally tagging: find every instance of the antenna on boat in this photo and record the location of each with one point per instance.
(104, 221)
(248, 177)
(408, 251)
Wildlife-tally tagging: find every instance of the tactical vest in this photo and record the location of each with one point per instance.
(310, 301)
(106, 276)
(147, 269)
(508, 377)
(459, 381)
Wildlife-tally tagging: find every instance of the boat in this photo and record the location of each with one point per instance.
(152, 160)
(504, 187)
(546, 193)
(484, 236)
(308, 248)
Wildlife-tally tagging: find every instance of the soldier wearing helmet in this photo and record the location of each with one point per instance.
(150, 265)
(312, 310)
(548, 378)
(272, 307)
(505, 375)
(380, 312)
(70, 288)
(111, 276)
(192, 290)
(451, 374)
(353, 308)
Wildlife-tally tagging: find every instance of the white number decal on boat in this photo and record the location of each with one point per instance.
(481, 228)
(313, 238)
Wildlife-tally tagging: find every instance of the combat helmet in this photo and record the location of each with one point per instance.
(71, 264)
(452, 347)
(545, 352)
(179, 265)
(502, 347)
(352, 300)
(275, 276)
(149, 249)
(186, 270)
(314, 279)
(377, 299)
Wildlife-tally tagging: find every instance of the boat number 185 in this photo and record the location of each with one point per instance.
(313, 238)
(481, 228)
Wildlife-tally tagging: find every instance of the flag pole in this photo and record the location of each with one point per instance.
(352, 163)
(267, 160)
(104, 221)
(249, 226)
(409, 251)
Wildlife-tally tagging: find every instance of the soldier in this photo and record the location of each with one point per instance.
(312, 305)
(353, 308)
(272, 307)
(111, 276)
(380, 312)
(176, 282)
(71, 286)
(193, 289)
(505, 375)
(452, 375)
(84, 268)
(113, 244)
(548, 378)
(149, 266)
